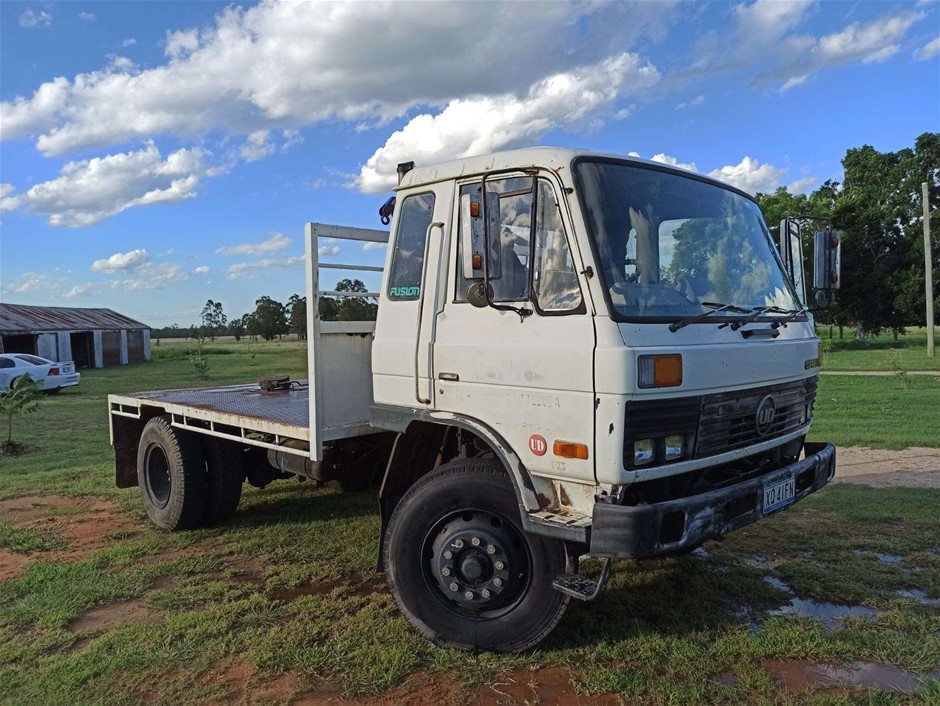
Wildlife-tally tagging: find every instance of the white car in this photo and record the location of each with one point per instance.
(53, 376)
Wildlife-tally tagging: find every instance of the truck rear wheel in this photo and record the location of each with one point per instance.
(225, 474)
(462, 570)
(171, 472)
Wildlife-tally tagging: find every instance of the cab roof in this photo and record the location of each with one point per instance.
(554, 158)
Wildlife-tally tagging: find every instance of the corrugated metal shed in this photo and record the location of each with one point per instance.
(20, 318)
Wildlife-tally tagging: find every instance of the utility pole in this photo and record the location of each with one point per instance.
(928, 264)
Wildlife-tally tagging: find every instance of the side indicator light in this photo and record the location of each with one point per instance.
(659, 370)
(569, 449)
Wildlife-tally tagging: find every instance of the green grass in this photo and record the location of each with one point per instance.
(880, 412)
(246, 593)
(880, 352)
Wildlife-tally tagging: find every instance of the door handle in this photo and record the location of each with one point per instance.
(453, 377)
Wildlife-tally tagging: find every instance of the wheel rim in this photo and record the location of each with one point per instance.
(157, 477)
(476, 564)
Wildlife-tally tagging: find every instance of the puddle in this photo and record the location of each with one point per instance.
(830, 614)
(918, 596)
(702, 553)
(795, 676)
(883, 558)
(728, 678)
(757, 561)
(779, 584)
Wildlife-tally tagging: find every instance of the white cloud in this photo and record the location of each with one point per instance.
(201, 270)
(928, 50)
(291, 138)
(87, 16)
(131, 260)
(479, 125)
(803, 185)
(374, 246)
(129, 42)
(282, 64)
(258, 146)
(751, 176)
(121, 63)
(672, 161)
(698, 100)
(277, 241)
(8, 202)
(79, 290)
(90, 190)
(29, 282)
(36, 20)
(328, 250)
(242, 269)
(152, 276)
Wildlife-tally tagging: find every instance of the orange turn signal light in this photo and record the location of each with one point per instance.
(569, 449)
(474, 209)
(659, 370)
(477, 261)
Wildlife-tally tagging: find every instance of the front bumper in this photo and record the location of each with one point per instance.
(642, 531)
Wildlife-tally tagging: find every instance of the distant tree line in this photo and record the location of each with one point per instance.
(272, 319)
(878, 207)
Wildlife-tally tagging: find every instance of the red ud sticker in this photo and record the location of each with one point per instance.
(538, 445)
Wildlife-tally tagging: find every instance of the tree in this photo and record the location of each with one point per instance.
(18, 400)
(355, 308)
(213, 319)
(297, 307)
(269, 319)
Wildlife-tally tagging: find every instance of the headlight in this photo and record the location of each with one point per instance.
(642, 451)
(674, 447)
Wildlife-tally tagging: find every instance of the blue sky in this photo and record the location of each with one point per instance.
(157, 154)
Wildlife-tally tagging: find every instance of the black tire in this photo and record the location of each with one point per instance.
(225, 474)
(171, 472)
(54, 391)
(472, 499)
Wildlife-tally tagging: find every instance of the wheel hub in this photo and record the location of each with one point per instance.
(479, 561)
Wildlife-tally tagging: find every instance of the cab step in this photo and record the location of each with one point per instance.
(580, 586)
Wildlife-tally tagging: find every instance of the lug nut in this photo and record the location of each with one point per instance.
(445, 571)
(468, 595)
(458, 543)
(485, 593)
(497, 581)
(475, 541)
(454, 586)
(490, 549)
(500, 566)
(448, 554)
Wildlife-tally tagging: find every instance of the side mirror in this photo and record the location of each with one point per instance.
(828, 261)
(471, 236)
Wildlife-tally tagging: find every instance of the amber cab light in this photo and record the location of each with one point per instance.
(569, 449)
(659, 370)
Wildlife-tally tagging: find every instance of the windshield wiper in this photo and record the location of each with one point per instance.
(716, 307)
(789, 317)
(755, 315)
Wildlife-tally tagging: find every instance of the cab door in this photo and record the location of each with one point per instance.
(401, 352)
(522, 363)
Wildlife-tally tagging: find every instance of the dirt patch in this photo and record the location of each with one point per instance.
(797, 676)
(554, 685)
(135, 611)
(418, 690)
(915, 467)
(359, 585)
(86, 524)
(12, 449)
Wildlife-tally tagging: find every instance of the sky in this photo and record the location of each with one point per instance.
(154, 155)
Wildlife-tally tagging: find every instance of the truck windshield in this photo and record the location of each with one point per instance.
(667, 243)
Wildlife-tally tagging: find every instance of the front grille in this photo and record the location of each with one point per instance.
(714, 424)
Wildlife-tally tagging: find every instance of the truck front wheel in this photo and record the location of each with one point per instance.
(171, 472)
(462, 570)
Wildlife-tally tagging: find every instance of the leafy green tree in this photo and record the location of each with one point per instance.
(18, 400)
(269, 319)
(297, 307)
(356, 308)
(213, 319)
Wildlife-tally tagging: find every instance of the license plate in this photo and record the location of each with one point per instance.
(779, 495)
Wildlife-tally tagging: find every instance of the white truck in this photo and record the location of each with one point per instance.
(575, 355)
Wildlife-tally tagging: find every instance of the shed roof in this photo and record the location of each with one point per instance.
(20, 318)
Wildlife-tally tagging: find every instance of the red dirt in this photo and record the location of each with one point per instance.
(84, 523)
(115, 615)
(418, 690)
(554, 685)
(359, 585)
(796, 676)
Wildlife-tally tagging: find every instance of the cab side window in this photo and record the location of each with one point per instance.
(404, 280)
(554, 279)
